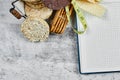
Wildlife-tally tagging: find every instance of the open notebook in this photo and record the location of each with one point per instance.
(99, 47)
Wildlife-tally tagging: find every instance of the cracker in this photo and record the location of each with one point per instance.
(44, 12)
(35, 29)
(37, 2)
(31, 0)
(38, 5)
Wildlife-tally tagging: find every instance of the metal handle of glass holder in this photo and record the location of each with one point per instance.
(14, 12)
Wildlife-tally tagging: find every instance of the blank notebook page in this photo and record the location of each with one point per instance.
(99, 47)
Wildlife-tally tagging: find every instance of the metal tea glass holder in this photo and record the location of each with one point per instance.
(16, 11)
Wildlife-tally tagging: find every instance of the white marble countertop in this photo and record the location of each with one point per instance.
(55, 59)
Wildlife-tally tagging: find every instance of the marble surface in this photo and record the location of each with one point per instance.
(55, 59)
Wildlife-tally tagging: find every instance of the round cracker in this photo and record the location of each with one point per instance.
(44, 12)
(38, 2)
(31, 0)
(35, 29)
(35, 6)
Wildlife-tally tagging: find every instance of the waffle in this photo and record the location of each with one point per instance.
(60, 21)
